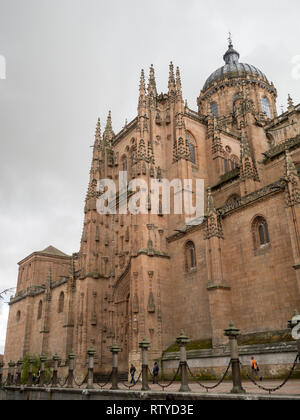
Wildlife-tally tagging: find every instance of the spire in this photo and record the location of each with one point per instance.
(98, 134)
(292, 179)
(171, 84)
(248, 168)
(152, 91)
(178, 85)
(289, 165)
(214, 226)
(291, 106)
(108, 133)
(231, 56)
(210, 202)
(142, 95)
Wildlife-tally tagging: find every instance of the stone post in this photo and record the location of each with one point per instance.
(115, 349)
(91, 355)
(232, 333)
(30, 374)
(19, 372)
(144, 346)
(11, 373)
(182, 340)
(1, 372)
(43, 360)
(56, 360)
(71, 358)
(293, 324)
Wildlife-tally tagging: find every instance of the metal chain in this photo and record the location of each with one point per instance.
(132, 386)
(271, 390)
(80, 385)
(62, 384)
(108, 381)
(171, 383)
(209, 388)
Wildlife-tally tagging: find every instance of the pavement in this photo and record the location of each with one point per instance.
(291, 388)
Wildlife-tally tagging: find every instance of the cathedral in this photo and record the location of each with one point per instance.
(150, 275)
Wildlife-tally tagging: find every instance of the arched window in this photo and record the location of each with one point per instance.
(40, 310)
(61, 302)
(214, 109)
(265, 104)
(124, 163)
(191, 145)
(18, 316)
(260, 232)
(190, 256)
(234, 162)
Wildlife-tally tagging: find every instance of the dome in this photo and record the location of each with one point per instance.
(233, 68)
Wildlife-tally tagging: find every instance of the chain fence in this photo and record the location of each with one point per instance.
(132, 386)
(272, 390)
(209, 388)
(169, 384)
(108, 381)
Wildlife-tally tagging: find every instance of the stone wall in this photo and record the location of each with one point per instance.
(274, 360)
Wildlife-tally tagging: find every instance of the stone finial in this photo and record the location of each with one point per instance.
(142, 93)
(182, 339)
(144, 344)
(214, 225)
(43, 358)
(152, 90)
(108, 132)
(232, 332)
(248, 169)
(98, 134)
(115, 348)
(291, 106)
(292, 179)
(171, 84)
(56, 358)
(91, 352)
(179, 97)
(72, 355)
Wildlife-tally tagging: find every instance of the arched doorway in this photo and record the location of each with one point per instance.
(122, 320)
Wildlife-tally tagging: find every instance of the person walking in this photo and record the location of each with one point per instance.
(132, 373)
(155, 373)
(254, 369)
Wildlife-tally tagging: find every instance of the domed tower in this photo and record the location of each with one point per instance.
(223, 88)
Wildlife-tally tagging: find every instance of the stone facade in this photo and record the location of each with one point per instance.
(139, 276)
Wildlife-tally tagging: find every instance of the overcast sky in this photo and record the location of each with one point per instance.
(70, 61)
